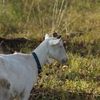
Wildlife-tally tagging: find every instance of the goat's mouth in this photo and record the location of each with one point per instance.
(64, 61)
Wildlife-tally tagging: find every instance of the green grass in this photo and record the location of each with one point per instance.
(79, 78)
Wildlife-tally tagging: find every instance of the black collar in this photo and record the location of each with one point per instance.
(37, 61)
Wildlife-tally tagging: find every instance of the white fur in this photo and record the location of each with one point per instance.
(18, 71)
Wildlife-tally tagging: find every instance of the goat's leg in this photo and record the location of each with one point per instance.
(18, 98)
(25, 95)
(4, 94)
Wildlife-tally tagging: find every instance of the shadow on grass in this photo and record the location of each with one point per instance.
(53, 94)
(83, 48)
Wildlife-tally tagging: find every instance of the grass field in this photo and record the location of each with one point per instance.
(78, 21)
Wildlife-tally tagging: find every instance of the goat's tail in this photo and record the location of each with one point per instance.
(4, 82)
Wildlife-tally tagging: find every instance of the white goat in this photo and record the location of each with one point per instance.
(18, 71)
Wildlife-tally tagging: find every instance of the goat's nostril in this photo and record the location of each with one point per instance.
(64, 60)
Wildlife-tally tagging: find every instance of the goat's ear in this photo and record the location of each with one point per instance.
(47, 36)
(55, 34)
(55, 42)
(59, 36)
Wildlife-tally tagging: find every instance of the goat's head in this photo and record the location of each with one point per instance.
(56, 49)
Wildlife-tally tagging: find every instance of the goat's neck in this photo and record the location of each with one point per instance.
(42, 52)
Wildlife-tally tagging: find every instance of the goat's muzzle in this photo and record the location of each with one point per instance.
(64, 60)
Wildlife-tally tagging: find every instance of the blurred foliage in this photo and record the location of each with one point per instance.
(78, 21)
